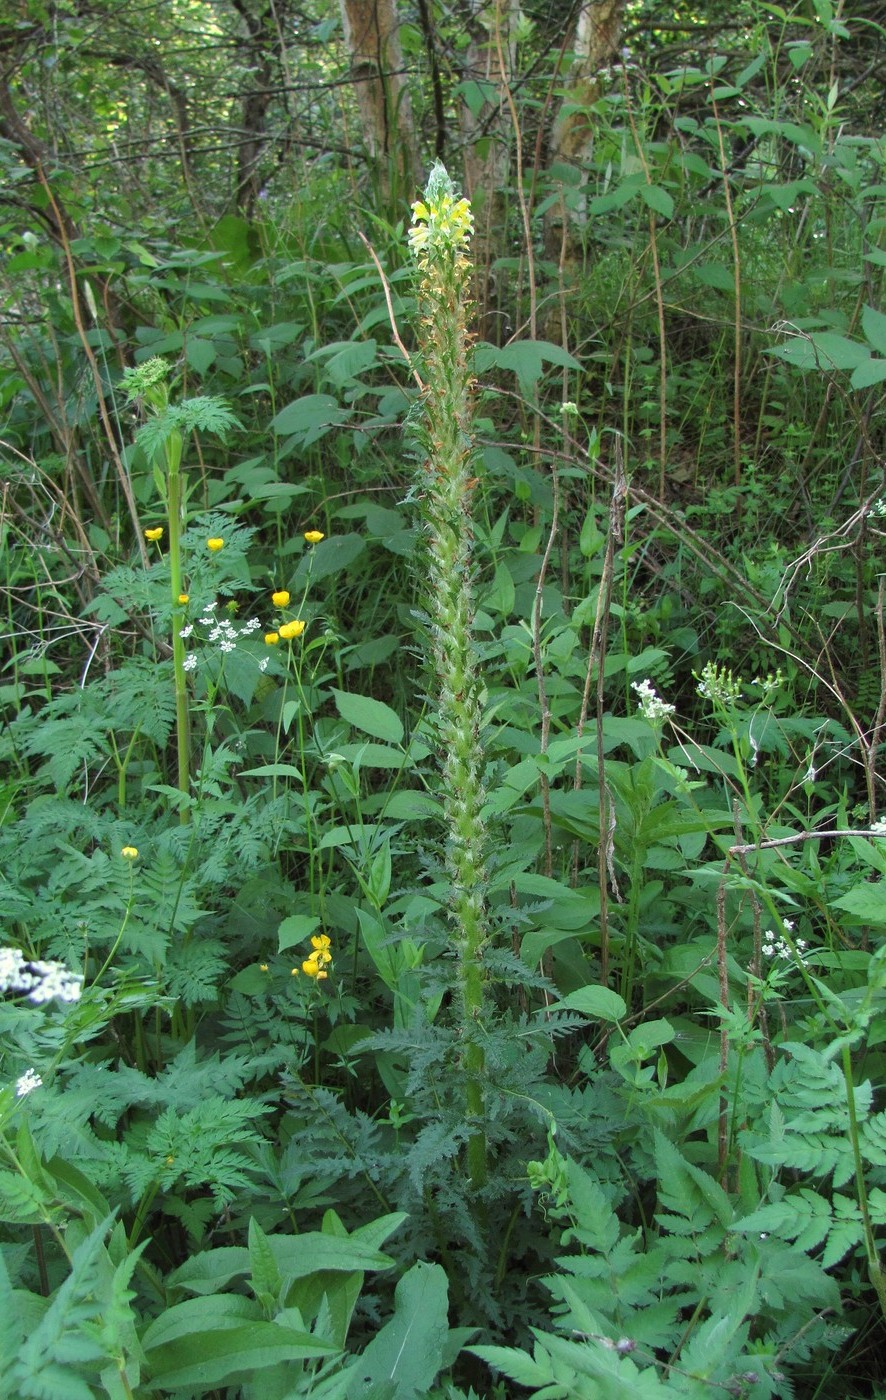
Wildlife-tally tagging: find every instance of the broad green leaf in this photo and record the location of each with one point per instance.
(295, 929)
(369, 716)
(526, 358)
(264, 1274)
(658, 200)
(866, 902)
(874, 326)
(408, 1351)
(872, 371)
(216, 1357)
(329, 557)
(601, 1003)
(296, 1256)
(308, 418)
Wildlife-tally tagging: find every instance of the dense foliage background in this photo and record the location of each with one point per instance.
(293, 1133)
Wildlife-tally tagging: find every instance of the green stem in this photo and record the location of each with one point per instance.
(175, 507)
(875, 1268)
(447, 480)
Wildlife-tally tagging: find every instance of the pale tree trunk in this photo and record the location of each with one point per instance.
(373, 42)
(597, 33)
(596, 41)
(486, 130)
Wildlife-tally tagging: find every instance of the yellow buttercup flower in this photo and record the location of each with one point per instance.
(290, 630)
(184, 598)
(280, 599)
(155, 534)
(215, 544)
(129, 853)
(271, 639)
(314, 536)
(263, 967)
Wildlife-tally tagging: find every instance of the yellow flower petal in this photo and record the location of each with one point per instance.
(215, 544)
(155, 534)
(184, 598)
(280, 599)
(271, 639)
(314, 536)
(290, 630)
(129, 853)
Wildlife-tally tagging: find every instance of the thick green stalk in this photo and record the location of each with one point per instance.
(439, 238)
(175, 511)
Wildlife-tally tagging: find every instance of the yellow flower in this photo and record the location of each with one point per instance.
(129, 853)
(289, 630)
(294, 972)
(184, 598)
(280, 599)
(215, 544)
(440, 222)
(170, 1161)
(263, 967)
(321, 940)
(271, 639)
(314, 536)
(155, 534)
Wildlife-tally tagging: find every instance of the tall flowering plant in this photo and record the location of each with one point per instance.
(439, 240)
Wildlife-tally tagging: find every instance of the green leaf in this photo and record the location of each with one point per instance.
(207, 1357)
(308, 418)
(823, 350)
(874, 326)
(408, 1352)
(866, 902)
(265, 1276)
(518, 1366)
(658, 200)
(872, 371)
(526, 358)
(369, 716)
(297, 1256)
(601, 1003)
(295, 929)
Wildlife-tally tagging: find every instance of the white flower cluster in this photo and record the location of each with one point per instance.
(651, 705)
(878, 827)
(221, 632)
(878, 507)
(28, 1082)
(37, 980)
(776, 946)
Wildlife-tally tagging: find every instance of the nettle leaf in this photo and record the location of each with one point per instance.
(370, 716)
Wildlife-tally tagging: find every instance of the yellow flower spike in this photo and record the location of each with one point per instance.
(215, 544)
(290, 630)
(271, 639)
(280, 599)
(184, 599)
(155, 534)
(129, 852)
(314, 536)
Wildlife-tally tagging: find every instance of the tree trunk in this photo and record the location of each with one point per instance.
(596, 41)
(373, 42)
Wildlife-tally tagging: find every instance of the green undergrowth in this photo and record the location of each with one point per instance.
(450, 771)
